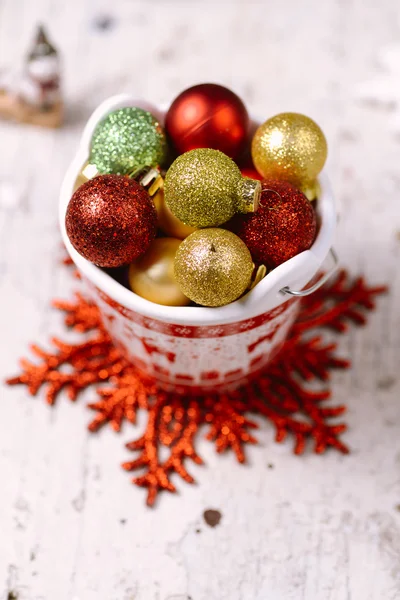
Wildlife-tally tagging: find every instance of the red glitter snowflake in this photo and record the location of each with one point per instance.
(282, 393)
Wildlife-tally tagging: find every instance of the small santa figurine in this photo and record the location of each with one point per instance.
(40, 84)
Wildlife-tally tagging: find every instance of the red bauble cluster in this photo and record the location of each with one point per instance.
(284, 224)
(111, 220)
(208, 116)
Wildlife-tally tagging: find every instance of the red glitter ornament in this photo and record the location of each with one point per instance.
(283, 226)
(284, 393)
(208, 116)
(111, 220)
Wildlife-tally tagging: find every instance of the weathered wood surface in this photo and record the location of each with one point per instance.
(317, 528)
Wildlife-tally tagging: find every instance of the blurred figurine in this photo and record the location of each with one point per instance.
(40, 86)
(35, 97)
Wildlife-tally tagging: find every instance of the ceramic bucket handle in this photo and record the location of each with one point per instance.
(320, 282)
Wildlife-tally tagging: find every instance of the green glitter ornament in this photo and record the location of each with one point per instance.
(127, 140)
(205, 188)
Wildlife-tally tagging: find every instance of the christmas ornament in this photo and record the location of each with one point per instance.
(311, 190)
(258, 276)
(285, 393)
(150, 178)
(111, 220)
(80, 180)
(152, 276)
(289, 146)
(167, 222)
(126, 140)
(208, 116)
(251, 173)
(213, 267)
(205, 188)
(283, 226)
(87, 172)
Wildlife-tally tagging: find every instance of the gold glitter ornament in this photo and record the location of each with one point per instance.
(311, 190)
(167, 222)
(86, 173)
(291, 147)
(204, 188)
(152, 276)
(213, 267)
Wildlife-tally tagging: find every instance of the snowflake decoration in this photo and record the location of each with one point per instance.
(281, 393)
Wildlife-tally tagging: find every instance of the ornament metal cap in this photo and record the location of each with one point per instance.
(89, 171)
(148, 177)
(249, 195)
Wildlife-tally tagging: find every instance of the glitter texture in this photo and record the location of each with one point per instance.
(213, 267)
(283, 226)
(204, 188)
(127, 139)
(289, 146)
(111, 220)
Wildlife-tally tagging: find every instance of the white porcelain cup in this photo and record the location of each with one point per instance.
(198, 349)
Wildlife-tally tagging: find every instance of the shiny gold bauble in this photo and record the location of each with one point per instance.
(205, 188)
(152, 276)
(311, 190)
(167, 222)
(213, 267)
(289, 146)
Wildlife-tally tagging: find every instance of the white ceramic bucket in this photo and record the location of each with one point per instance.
(197, 349)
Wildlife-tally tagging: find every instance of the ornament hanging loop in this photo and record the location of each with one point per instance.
(272, 207)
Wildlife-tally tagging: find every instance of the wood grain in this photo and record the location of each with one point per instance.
(313, 528)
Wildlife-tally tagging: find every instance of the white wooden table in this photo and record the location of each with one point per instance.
(313, 528)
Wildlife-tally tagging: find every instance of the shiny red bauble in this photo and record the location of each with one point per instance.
(111, 220)
(208, 116)
(251, 172)
(284, 224)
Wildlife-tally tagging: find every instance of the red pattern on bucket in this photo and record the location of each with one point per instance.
(196, 358)
(279, 392)
(190, 331)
